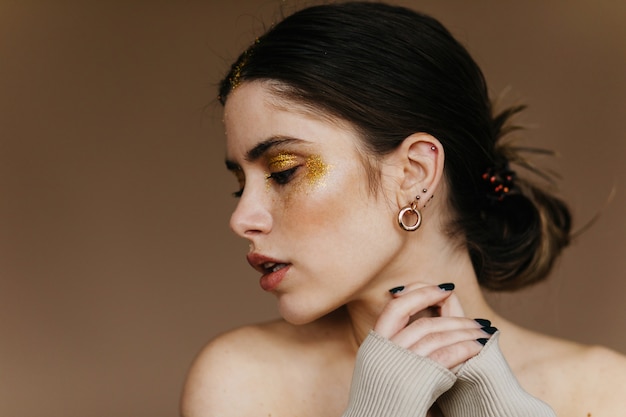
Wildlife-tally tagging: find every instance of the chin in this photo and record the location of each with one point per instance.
(298, 318)
(300, 313)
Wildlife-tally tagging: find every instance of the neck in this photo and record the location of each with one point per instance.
(442, 266)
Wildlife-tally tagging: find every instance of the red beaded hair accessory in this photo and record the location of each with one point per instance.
(499, 182)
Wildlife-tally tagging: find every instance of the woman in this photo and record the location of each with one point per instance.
(377, 197)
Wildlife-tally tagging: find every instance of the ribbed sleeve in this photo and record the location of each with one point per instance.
(390, 381)
(486, 387)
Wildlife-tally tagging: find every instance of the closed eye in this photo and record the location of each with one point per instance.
(280, 178)
(283, 177)
(241, 179)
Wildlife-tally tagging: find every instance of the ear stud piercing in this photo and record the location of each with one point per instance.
(424, 190)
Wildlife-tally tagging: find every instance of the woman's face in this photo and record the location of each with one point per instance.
(318, 235)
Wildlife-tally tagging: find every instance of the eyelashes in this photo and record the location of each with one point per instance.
(283, 177)
(283, 168)
(279, 178)
(240, 179)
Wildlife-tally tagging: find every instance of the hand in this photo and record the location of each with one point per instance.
(448, 338)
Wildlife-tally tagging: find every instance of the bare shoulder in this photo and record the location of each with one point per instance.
(601, 380)
(241, 371)
(576, 379)
(224, 375)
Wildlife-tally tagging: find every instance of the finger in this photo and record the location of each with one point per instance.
(398, 311)
(425, 326)
(403, 289)
(451, 307)
(433, 342)
(454, 355)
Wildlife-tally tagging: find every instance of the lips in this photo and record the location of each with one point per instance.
(273, 266)
(273, 270)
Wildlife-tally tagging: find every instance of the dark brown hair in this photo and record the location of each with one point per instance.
(392, 72)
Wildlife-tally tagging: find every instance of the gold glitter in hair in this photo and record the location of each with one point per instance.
(235, 78)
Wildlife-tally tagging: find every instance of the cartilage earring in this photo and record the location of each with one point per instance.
(410, 211)
(428, 201)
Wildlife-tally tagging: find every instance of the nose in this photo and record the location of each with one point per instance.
(251, 216)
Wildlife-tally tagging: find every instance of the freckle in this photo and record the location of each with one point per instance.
(316, 170)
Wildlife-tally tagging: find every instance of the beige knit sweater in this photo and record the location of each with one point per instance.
(390, 381)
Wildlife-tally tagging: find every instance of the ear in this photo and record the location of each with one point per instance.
(419, 164)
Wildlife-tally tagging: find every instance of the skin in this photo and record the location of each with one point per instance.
(318, 219)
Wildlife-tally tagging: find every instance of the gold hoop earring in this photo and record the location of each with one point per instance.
(412, 208)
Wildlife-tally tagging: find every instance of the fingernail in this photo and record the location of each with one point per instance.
(448, 286)
(482, 341)
(489, 329)
(396, 290)
(483, 322)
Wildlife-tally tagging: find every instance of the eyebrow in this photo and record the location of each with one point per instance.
(261, 149)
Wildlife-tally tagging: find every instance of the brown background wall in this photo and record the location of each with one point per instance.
(116, 263)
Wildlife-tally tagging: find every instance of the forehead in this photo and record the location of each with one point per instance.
(276, 94)
(254, 113)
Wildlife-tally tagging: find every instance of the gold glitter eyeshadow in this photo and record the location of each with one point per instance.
(316, 170)
(282, 161)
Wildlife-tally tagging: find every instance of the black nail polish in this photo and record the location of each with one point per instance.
(448, 286)
(482, 341)
(396, 290)
(483, 322)
(489, 329)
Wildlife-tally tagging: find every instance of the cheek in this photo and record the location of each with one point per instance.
(326, 201)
